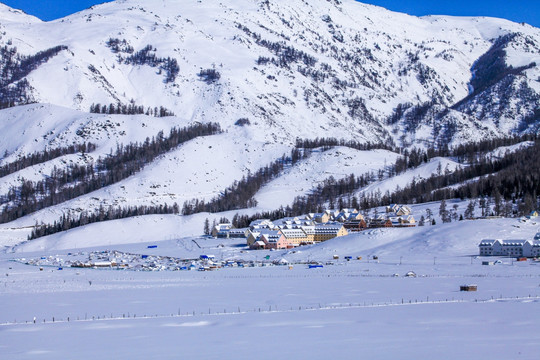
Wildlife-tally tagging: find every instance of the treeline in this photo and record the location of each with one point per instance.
(512, 180)
(112, 213)
(515, 177)
(469, 153)
(44, 156)
(240, 194)
(131, 109)
(328, 143)
(412, 158)
(14, 89)
(126, 161)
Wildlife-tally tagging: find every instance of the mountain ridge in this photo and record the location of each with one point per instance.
(359, 68)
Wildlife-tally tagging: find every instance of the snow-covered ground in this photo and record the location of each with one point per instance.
(342, 310)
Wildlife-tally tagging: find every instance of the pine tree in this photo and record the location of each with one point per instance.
(206, 227)
(469, 212)
(443, 213)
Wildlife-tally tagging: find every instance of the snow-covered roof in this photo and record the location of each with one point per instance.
(514, 242)
(489, 242)
(291, 233)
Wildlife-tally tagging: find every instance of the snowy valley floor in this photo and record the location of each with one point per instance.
(427, 331)
(347, 310)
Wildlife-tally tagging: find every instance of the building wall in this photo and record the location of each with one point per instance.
(499, 248)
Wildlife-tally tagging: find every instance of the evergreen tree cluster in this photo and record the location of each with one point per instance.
(146, 56)
(41, 157)
(14, 88)
(112, 213)
(131, 109)
(119, 46)
(328, 143)
(78, 180)
(410, 159)
(209, 76)
(242, 122)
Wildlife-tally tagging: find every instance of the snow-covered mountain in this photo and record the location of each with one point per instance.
(293, 69)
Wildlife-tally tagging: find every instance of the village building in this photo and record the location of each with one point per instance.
(346, 216)
(514, 248)
(295, 236)
(324, 232)
(253, 236)
(261, 224)
(275, 240)
(398, 210)
(221, 230)
(355, 225)
(238, 233)
(310, 234)
(380, 221)
(293, 222)
(320, 218)
(403, 221)
(267, 239)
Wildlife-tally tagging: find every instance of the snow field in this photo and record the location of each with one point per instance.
(336, 311)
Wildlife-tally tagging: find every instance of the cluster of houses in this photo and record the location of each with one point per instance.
(529, 248)
(313, 228)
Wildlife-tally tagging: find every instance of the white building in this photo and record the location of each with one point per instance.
(515, 248)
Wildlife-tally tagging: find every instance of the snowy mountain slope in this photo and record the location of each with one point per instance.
(203, 168)
(361, 63)
(339, 163)
(422, 172)
(199, 169)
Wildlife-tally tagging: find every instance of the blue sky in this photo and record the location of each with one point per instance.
(520, 10)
